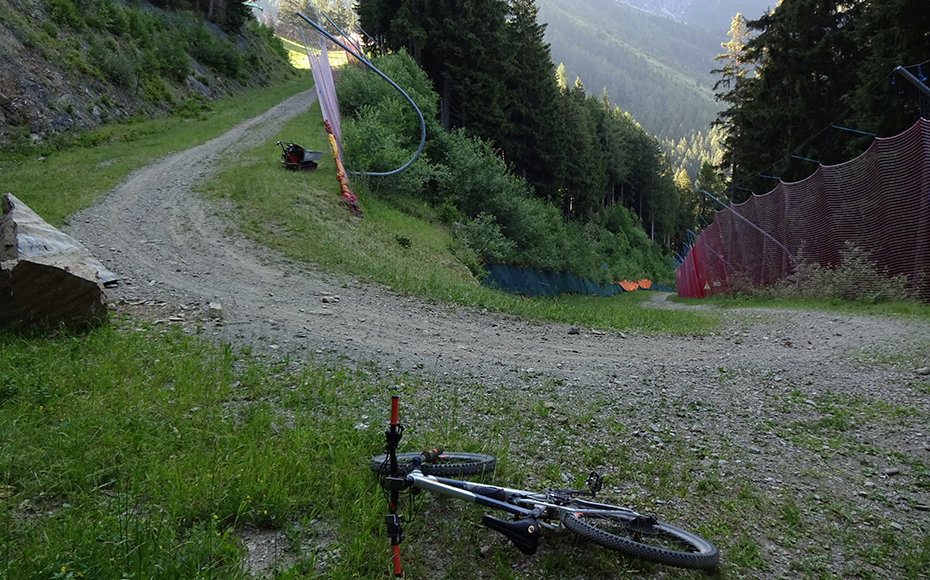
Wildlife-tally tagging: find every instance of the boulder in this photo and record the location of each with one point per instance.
(46, 276)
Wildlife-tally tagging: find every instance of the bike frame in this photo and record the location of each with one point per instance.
(482, 495)
(532, 511)
(486, 495)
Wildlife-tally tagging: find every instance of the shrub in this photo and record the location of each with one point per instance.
(169, 59)
(484, 236)
(359, 87)
(50, 29)
(108, 15)
(855, 277)
(215, 53)
(107, 58)
(268, 36)
(65, 13)
(193, 107)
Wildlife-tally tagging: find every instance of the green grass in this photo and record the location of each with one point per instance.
(907, 309)
(130, 452)
(301, 215)
(59, 183)
(134, 451)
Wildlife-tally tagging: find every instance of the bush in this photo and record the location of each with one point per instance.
(169, 59)
(65, 13)
(108, 15)
(856, 277)
(114, 65)
(358, 88)
(268, 36)
(484, 236)
(215, 53)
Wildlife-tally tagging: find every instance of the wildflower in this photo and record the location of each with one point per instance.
(216, 517)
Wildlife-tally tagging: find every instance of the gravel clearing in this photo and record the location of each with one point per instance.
(739, 398)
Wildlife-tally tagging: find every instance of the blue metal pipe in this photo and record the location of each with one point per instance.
(393, 84)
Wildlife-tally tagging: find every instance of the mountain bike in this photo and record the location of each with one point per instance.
(618, 528)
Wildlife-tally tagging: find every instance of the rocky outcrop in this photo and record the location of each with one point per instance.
(46, 276)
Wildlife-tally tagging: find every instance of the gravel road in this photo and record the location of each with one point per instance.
(176, 257)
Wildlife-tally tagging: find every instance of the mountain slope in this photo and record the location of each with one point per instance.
(714, 15)
(652, 67)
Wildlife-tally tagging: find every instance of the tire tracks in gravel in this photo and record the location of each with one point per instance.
(170, 247)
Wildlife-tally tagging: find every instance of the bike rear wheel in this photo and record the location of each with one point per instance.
(642, 537)
(448, 464)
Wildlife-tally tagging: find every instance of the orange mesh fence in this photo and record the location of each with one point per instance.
(879, 201)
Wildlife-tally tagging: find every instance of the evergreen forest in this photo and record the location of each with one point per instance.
(815, 81)
(579, 168)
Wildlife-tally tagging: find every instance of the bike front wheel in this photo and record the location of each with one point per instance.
(448, 464)
(640, 536)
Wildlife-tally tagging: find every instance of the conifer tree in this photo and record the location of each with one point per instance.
(532, 141)
(892, 33)
(461, 46)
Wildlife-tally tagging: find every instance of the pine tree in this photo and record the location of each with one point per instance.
(733, 87)
(531, 140)
(461, 46)
(585, 179)
(804, 56)
(892, 33)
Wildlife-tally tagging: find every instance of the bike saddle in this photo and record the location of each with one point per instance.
(524, 533)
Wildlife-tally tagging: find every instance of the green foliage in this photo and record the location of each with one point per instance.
(219, 54)
(806, 56)
(112, 62)
(274, 42)
(484, 236)
(109, 16)
(498, 215)
(193, 107)
(855, 278)
(65, 13)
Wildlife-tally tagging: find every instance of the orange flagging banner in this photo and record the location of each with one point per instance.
(879, 201)
(348, 197)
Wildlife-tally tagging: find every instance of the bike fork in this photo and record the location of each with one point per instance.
(394, 530)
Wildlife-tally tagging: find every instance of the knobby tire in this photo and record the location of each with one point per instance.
(661, 543)
(449, 464)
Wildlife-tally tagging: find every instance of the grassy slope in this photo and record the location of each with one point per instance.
(63, 182)
(300, 215)
(132, 451)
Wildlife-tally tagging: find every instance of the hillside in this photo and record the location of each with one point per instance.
(654, 68)
(73, 66)
(714, 15)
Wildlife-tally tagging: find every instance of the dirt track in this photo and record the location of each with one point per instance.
(170, 248)
(176, 257)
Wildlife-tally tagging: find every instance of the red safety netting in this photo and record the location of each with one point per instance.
(879, 201)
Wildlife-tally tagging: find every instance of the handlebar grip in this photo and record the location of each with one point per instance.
(431, 455)
(395, 404)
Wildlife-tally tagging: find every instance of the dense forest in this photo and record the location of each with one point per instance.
(815, 81)
(495, 79)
